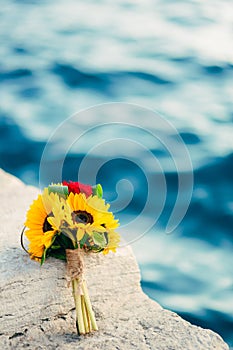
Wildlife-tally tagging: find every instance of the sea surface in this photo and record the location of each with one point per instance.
(172, 57)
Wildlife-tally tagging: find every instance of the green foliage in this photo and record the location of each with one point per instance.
(99, 239)
(59, 189)
(58, 247)
(98, 190)
(64, 240)
(58, 254)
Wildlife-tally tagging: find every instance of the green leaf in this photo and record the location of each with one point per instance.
(45, 253)
(99, 239)
(55, 247)
(43, 257)
(64, 240)
(84, 239)
(59, 189)
(98, 190)
(61, 254)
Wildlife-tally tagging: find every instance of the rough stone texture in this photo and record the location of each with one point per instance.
(37, 311)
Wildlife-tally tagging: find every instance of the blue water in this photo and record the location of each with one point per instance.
(176, 57)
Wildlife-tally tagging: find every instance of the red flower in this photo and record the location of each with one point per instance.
(77, 187)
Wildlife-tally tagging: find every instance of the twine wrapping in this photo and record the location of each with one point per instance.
(75, 267)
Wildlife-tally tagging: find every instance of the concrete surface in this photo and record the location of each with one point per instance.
(37, 310)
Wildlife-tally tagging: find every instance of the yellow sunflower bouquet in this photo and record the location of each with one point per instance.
(64, 222)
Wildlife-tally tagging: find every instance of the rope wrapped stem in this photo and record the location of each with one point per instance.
(75, 265)
(85, 317)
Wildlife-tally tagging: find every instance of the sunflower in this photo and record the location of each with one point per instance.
(113, 242)
(90, 216)
(41, 224)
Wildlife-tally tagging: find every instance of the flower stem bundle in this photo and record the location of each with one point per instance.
(85, 317)
(65, 222)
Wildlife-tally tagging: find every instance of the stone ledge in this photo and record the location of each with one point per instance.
(37, 310)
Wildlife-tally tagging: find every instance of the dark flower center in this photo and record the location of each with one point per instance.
(82, 217)
(46, 224)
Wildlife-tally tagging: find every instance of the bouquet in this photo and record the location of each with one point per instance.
(66, 221)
